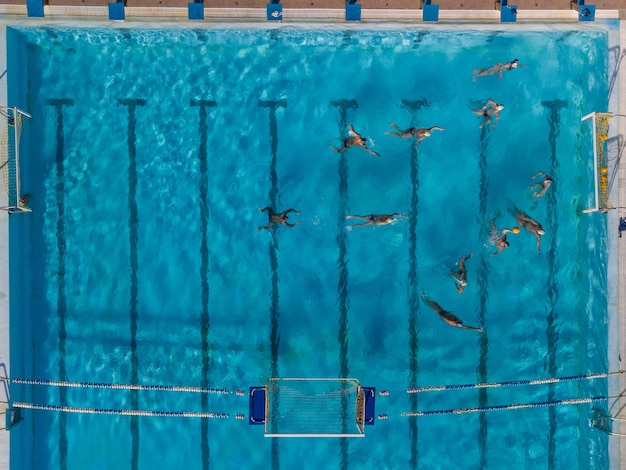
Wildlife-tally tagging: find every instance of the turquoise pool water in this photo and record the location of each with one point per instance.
(147, 156)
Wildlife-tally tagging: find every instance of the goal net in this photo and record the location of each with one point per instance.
(10, 134)
(600, 134)
(314, 408)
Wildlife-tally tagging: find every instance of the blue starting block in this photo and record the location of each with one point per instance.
(195, 11)
(257, 405)
(586, 12)
(274, 11)
(508, 13)
(370, 405)
(34, 8)
(117, 11)
(430, 12)
(353, 11)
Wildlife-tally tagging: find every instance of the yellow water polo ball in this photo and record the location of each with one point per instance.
(515, 230)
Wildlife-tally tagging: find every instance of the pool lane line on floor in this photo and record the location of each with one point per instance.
(203, 193)
(59, 104)
(272, 106)
(343, 300)
(553, 107)
(413, 107)
(133, 229)
(482, 281)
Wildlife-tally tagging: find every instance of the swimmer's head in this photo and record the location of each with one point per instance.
(463, 283)
(506, 244)
(500, 107)
(514, 64)
(515, 230)
(541, 231)
(459, 323)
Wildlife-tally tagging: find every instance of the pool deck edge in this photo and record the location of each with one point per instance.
(298, 14)
(617, 316)
(4, 280)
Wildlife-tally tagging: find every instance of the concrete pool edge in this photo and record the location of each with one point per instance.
(617, 325)
(308, 14)
(617, 105)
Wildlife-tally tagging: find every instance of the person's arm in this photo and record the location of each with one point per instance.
(364, 224)
(495, 122)
(473, 328)
(538, 243)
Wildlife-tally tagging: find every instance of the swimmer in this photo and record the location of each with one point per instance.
(544, 185)
(383, 393)
(488, 112)
(499, 240)
(24, 200)
(383, 416)
(497, 68)
(355, 140)
(275, 218)
(460, 276)
(373, 219)
(531, 225)
(240, 393)
(448, 317)
(420, 133)
(240, 416)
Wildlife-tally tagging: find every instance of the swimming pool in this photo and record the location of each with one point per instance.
(147, 156)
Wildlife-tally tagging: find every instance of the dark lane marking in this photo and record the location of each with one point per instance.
(61, 281)
(414, 296)
(342, 265)
(204, 273)
(273, 254)
(553, 107)
(482, 280)
(133, 223)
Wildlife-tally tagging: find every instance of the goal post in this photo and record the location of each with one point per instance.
(307, 407)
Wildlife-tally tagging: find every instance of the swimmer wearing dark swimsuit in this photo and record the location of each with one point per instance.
(531, 225)
(277, 218)
(373, 219)
(420, 133)
(460, 276)
(355, 140)
(450, 318)
(497, 68)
